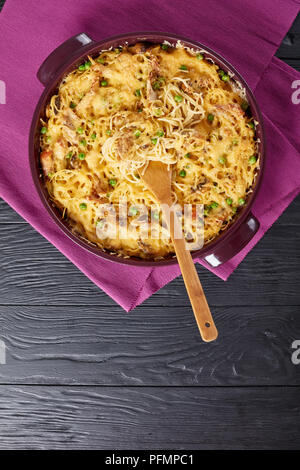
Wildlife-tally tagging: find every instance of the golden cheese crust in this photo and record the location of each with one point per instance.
(128, 106)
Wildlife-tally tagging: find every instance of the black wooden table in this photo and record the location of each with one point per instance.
(82, 374)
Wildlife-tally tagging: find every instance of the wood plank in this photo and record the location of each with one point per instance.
(161, 346)
(151, 418)
(32, 271)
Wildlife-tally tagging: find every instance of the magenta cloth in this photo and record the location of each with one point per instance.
(246, 32)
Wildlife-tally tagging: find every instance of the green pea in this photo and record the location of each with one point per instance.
(182, 173)
(79, 130)
(83, 206)
(154, 140)
(235, 141)
(222, 160)
(112, 182)
(100, 60)
(83, 142)
(133, 211)
(241, 201)
(44, 130)
(221, 72)
(160, 133)
(188, 155)
(252, 160)
(94, 135)
(81, 155)
(214, 205)
(251, 124)
(225, 77)
(183, 67)
(164, 47)
(210, 117)
(72, 105)
(137, 93)
(200, 56)
(178, 98)
(103, 83)
(137, 133)
(229, 201)
(81, 67)
(69, 155)
(108, 132)
(87, 64)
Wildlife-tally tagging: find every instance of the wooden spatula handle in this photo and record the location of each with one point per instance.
(193, 286)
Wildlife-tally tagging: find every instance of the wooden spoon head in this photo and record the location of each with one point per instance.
(157, 178)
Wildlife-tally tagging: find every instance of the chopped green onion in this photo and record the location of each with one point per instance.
(83, 206)
(229, 201)
(222, 160)
(244, 105)
(112, 182)
(214, 205)
(79, 130)
(154, 140)
(81, 155)
(103, 83)
(241, 201)
(72, 105)
(183, 67)
(182, 173)
(137, 93)
(178, 98)
(137, 133)
(210, 117)
(94, 135)
(44, 130)
(252, 160)
(160, 133)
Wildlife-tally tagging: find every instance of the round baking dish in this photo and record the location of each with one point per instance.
(66, 58)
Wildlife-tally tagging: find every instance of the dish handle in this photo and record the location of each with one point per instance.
(235, 243)
(49, 68)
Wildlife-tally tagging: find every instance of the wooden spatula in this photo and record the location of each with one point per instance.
(157, 178)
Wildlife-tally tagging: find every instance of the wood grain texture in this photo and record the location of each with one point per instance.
(32, 271)
(149, 418)
(161, 346)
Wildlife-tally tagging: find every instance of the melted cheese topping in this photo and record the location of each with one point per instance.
(125, 107)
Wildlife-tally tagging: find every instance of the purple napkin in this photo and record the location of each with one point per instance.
(246, 32)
